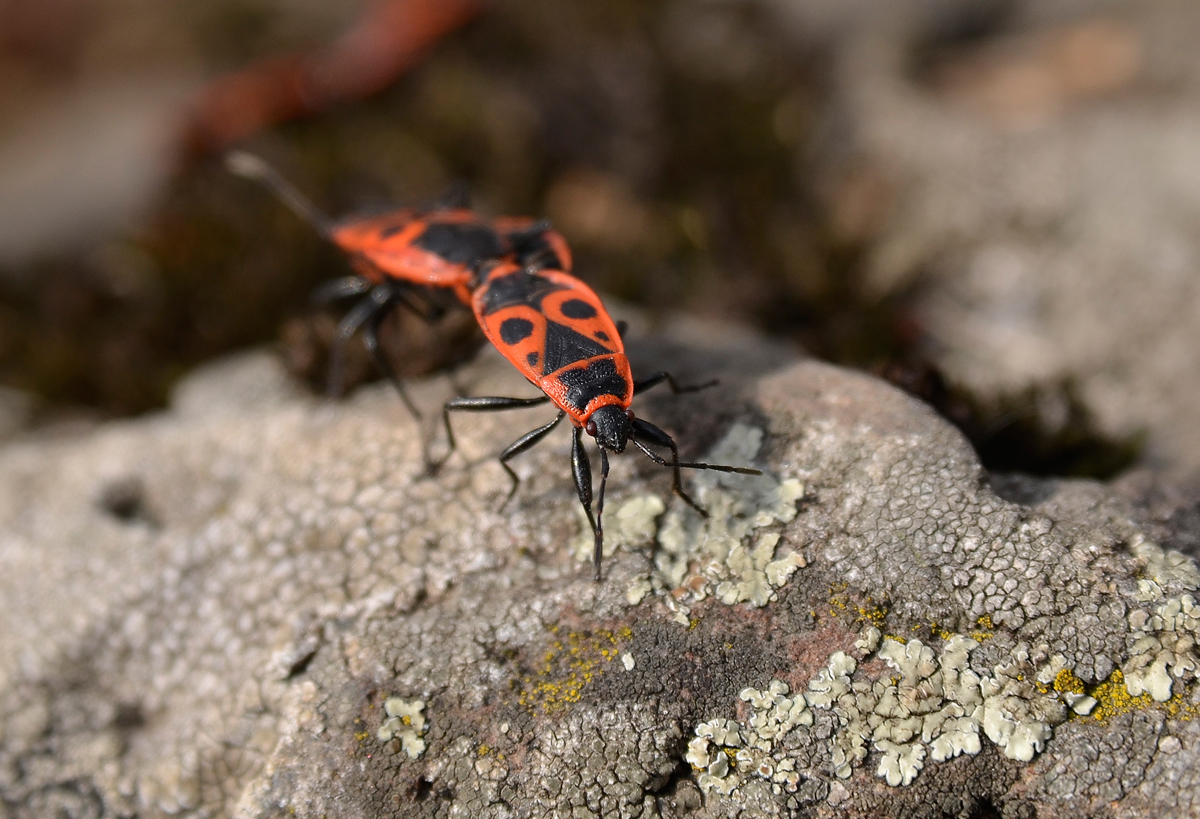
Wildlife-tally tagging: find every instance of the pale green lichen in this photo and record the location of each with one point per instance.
(928, 706)
(1163, 647)
(1019, 715)
(405, 722)
(726, 555)
(1162, 569)
(725, 752)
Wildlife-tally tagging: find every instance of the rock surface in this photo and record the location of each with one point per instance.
(1036, 183)
(263, 608)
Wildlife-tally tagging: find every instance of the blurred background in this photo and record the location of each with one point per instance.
(993, 203)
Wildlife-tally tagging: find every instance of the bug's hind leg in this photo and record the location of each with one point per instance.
(371, 342)
(347, 327)
(339, 289)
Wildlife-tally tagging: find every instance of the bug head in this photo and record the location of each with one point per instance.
(611, 426)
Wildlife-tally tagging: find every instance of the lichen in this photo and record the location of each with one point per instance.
(1163, 569)
(726, 555)
(1163, 648)
(405, 722)
(569, 664)
(724, 752)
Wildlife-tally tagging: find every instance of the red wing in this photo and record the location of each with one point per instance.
(519, 333)
(436, 249)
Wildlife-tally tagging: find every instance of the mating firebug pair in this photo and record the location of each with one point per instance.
(514, 274)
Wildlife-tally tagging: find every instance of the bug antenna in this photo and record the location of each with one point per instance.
(658, 459)
(250, 166)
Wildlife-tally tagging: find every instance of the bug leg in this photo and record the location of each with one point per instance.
(654, 379)
(598, 550)
(493, 403)
(371, 342)
(622, 326)
(339, 289)
(525, 442)
(645, 431)
(581, 469)
(346, 329)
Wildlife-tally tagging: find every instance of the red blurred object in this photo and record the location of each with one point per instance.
(389, 38)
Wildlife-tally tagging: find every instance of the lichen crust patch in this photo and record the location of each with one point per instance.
(405, 722)
(735, 553)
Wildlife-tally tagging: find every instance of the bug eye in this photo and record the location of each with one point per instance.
(590, 428)
(629, 414)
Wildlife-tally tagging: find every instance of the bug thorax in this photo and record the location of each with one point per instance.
(611, 426)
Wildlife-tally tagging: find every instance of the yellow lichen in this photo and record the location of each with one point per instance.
(867, 612)
(936, 630)
(566, 668)
(1066, 681)
(986, 629)
(1113, 698)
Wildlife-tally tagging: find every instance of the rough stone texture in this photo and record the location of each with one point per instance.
(205, 611)
(1039, 185)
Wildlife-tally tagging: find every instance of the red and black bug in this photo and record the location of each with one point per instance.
(399, 255)
(556, 331)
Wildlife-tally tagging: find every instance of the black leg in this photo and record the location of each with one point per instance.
(622, 326)
(493, 403)
(654, 379)
(339, 289)
(525, 442)
(598, 549)
(645, 431)
(581, 469)
(347, 327)
(371, 342)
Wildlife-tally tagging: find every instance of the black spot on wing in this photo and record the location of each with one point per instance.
(596, 379)
(460, 243)
(519, 287)
(390, 231)
(515, 330)
(564, 346)
(603, 336)
(531, 359)
(578, 309)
